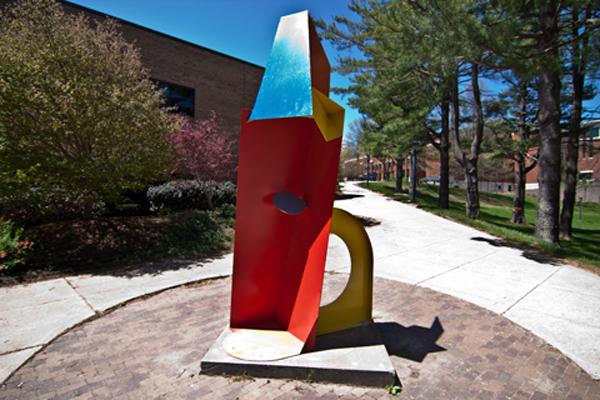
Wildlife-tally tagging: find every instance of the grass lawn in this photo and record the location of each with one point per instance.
(496, 210)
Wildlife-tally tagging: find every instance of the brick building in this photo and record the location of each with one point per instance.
(588, 165)
(194, 79)
(494, 176)
(382, 168)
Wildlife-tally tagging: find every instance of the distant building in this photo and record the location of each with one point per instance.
(495, 177)
(376, 169)
(588, 165)
(194, 79)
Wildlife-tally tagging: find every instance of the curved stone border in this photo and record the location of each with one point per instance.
(441, 347)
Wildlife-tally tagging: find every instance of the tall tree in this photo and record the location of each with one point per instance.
(412, 42)
(398, 79)
(444, 146)
(522, 36)
(522, 154)
(513, 116)
(581, 21)
(369, 141)
(546, 226)
(469, 159)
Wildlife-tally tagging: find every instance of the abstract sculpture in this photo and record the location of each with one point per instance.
(288, 163)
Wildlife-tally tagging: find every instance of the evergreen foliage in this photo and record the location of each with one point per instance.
(407, 62)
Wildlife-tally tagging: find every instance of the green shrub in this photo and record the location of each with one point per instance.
(39, 205)
(227, 213)
(78, 112)
(189, 195)
(194, 231)
(13, 248)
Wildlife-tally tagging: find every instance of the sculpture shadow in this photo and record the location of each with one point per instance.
(412, 343)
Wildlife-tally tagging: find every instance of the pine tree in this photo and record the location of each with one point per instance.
(513, 118)
(578, 56)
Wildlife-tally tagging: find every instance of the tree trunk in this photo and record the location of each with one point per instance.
(399, 174)
(546, 226)
(386, 170)
(518, 214)
(368, 169)
(413, 175)
(443, 195)
(468, 162)
(455, 130)
(471, 173)
(578, 66)
(566, 216)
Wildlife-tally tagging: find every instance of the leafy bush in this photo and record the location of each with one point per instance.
(13, 248)
(190, 194)
(227, 213)
(78, 113)
(50, 204)
(203, 150)
(194, 231)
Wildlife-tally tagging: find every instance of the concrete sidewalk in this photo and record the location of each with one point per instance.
(32, 315)
(557, 302)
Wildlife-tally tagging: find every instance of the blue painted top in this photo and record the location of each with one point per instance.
(285, 90)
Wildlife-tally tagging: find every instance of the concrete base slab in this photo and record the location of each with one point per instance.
(355, 356)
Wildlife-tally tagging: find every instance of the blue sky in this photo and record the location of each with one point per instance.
(241, 28)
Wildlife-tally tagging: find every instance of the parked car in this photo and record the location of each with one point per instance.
(371, 176)
(430, 180)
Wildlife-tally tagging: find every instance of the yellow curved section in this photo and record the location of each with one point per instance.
(355, 305)
(328, 115)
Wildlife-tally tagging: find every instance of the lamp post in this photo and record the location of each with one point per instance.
(413, 174)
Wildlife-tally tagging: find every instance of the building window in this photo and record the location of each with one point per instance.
(592, 132)
(586, 175)
(180, 97)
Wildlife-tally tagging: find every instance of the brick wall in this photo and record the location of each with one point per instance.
(589, 159)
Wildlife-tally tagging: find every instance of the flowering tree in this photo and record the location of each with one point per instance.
(79, 117)
(203, 150)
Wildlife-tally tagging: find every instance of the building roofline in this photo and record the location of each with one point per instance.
(591, 122)
(121, 20)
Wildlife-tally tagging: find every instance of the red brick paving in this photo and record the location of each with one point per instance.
(151, 349)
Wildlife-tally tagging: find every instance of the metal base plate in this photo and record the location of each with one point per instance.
(337, 360)
(261, 345)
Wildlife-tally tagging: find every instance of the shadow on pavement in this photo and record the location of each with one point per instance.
(132, 270)
(116, 268)
(347, 196)
(413, 342)
(527, 252)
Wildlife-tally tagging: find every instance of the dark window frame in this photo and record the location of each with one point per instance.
(170, 93)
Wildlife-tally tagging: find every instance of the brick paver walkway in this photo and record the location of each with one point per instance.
(151, 348)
